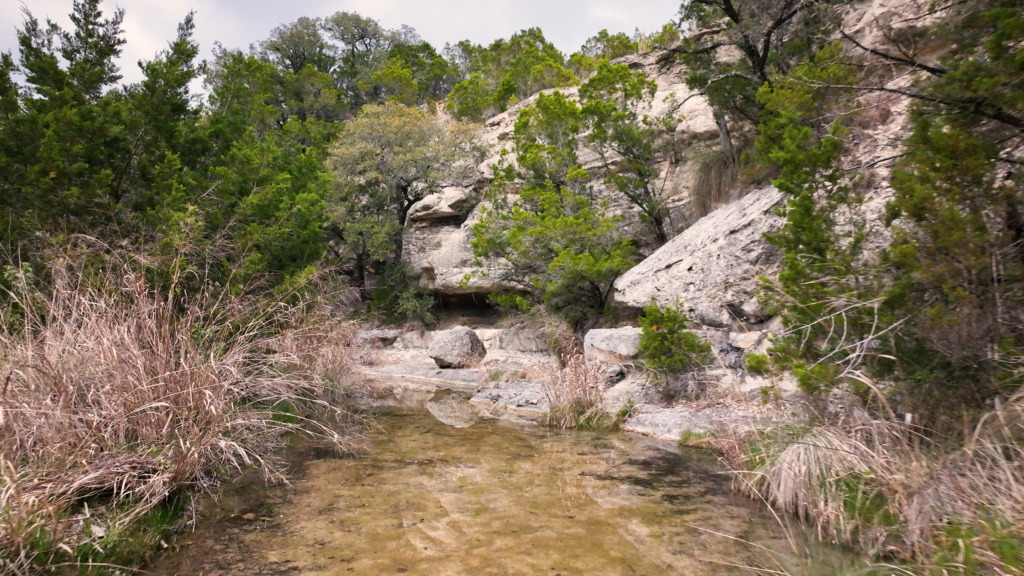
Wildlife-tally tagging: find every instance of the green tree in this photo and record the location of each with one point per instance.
(939, 312)
(524, 64)
(294, 46)
(771, 37)
(666, 345)
(390, 157)
(603, 46)
(394, 82)
(145, 164)
(614, 100)
(552, 239)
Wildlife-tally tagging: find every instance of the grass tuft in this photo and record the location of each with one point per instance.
(116, 399)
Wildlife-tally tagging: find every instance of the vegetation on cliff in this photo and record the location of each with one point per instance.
(162, 251)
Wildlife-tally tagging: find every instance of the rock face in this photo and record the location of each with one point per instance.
(612, 345)
(444, 257)
(459, 347)
(437, 242)
(713, 266)
(515, 340)
(451, 202)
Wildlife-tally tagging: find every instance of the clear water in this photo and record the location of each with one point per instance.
(497, 497)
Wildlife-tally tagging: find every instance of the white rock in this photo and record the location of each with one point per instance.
(713, 266)
(382, 338)
(450, 202)
(459, 347)
(514, 340)
(745, 340)
(612, 345)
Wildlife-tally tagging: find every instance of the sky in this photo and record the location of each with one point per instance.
(150, 24)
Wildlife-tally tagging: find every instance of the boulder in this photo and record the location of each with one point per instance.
(713, 266)
(459, 347)
(450, 202)
(382, 338)
(612, 345)
(451, 409)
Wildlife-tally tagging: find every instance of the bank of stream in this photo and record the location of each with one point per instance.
(469, 496)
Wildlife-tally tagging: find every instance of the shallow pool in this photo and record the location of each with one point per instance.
(497, 497)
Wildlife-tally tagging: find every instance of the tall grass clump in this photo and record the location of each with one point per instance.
(889, 490)
(574, 396)
(116, 398)
(715, 177)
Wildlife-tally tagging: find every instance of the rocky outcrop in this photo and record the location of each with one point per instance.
(437, 242)
(449, 203)
(713, 266)
(443, 256)
(611, 345)
(459, 347)
(514, 340)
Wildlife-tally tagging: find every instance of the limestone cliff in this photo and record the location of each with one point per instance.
(713, 264)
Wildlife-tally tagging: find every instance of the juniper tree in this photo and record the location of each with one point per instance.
(555, 242)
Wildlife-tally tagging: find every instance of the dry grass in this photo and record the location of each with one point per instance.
(113, 394)
(574, 393)
(886, 489)
(716, 177)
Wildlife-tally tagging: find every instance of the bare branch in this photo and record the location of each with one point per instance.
(703, 50)
(935, 71)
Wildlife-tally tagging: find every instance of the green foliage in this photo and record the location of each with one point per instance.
(757, 364)
(962, 548)
(556, 243)
(771, 37)
(398, 297)
(524, 64)
(391, 156)
(603, 46)
(940, 312)
(666, 346)
(822, 239)
(612, 103)
(471, 98)
(234, 189)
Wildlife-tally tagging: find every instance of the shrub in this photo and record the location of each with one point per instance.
(666, 346)
(400, 297)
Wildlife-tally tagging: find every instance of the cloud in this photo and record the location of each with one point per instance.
(150, 24)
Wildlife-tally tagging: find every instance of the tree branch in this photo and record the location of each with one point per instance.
(980, 108)
(934, 71)
(782, 19)
(703, 50)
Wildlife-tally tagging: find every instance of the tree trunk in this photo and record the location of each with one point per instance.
(403, 215)
(723, 134)
(659, 229)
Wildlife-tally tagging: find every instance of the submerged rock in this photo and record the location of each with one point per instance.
(525, 397)
(452, 409)
(459, 347)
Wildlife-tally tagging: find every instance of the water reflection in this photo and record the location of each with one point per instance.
(447, 496)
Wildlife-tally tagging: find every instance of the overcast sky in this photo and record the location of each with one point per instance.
(149, 24)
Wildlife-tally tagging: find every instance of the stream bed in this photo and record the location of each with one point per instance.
(485, 496)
